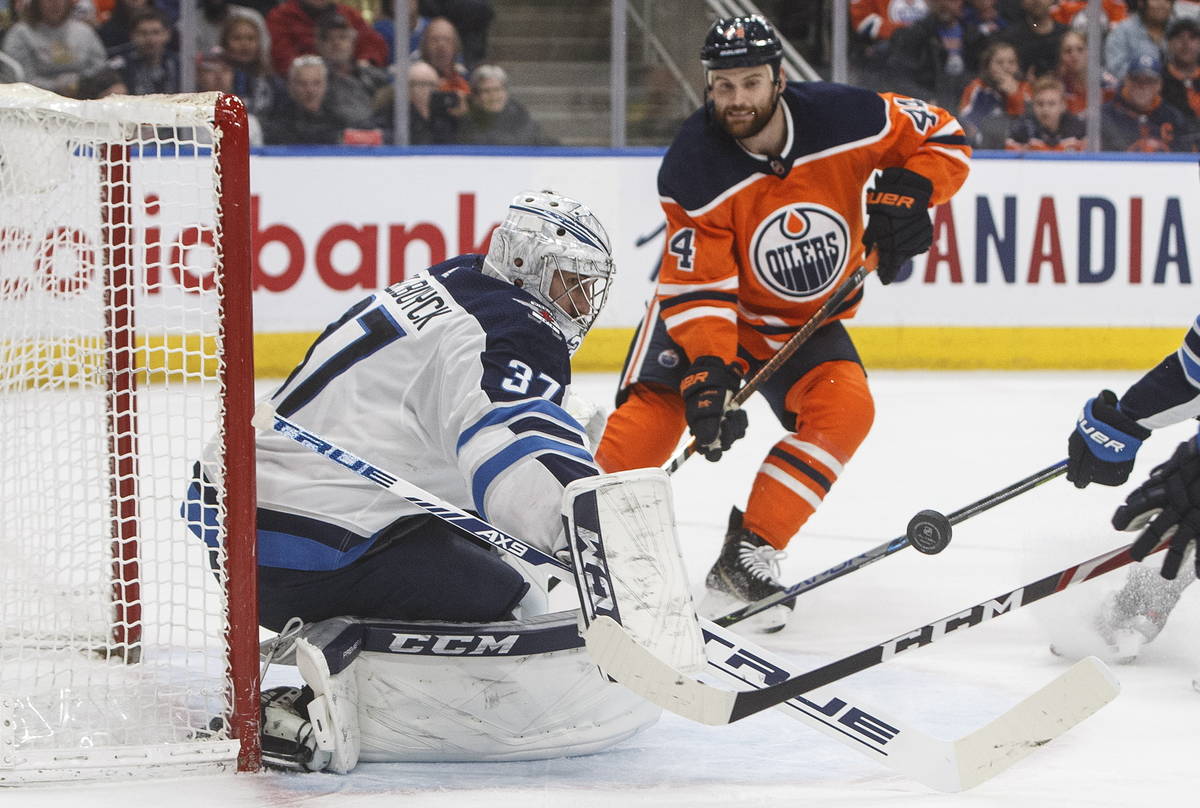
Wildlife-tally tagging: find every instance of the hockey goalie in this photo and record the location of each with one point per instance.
(418, 643)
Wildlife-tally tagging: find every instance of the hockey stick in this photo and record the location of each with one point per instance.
(266, 419)
(945, 765)
(790, 347)
(631, 665)
(925, 532)
(942, 765)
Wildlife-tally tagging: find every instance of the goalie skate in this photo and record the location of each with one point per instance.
(288, 741)
(746, 571)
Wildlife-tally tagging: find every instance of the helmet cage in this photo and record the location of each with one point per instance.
(577, 288)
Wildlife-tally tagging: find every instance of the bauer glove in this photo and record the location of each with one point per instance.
(707, 389)
(1104, 444)
(898, 225)
(1167, 503)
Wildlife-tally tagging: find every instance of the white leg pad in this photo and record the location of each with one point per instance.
(426, 691)
(334, 708)
(621, 529)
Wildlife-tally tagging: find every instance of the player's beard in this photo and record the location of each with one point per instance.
(745, 128)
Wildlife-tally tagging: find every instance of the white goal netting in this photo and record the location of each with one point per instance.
(114, 627)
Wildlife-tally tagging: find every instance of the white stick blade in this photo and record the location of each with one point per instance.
(1039, 719)
(620, 656)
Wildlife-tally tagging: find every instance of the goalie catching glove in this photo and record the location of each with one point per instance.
(1168, 500)
(1104, 444)
(898, 225)
(707, 390)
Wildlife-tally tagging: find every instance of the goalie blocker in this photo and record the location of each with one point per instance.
(518, 690)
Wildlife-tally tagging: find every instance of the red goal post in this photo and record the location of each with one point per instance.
(128, 618)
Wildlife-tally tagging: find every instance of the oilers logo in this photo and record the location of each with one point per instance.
(799, 250)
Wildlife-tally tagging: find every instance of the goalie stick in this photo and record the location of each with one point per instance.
(790, 347)
(624, 660)
(941, 765)
(895, 545)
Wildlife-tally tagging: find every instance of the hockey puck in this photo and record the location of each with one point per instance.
(929, 532)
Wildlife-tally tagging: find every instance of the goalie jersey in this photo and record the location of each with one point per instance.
(454, 381)
(755, 244)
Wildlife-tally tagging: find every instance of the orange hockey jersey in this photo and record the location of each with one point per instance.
(754, 246)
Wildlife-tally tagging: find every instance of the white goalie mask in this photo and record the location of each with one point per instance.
(556, 249)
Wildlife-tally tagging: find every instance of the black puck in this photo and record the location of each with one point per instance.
(929, 532)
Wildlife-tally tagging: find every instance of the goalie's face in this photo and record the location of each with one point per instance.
(574, 294)
(576, 286)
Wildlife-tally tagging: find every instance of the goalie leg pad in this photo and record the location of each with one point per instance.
(621, 530)
(516, 690)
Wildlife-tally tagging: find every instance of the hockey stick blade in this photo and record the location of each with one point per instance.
(889, 547)
(679, 693)
(1037, 720)
(621, 657)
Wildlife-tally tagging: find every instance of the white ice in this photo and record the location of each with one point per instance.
(940, 440)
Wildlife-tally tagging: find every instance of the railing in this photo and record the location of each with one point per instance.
(661, 53)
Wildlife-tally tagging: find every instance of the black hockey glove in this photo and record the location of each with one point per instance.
(898, 225)
(1104, 444)
(706, 390)
(1168, 501)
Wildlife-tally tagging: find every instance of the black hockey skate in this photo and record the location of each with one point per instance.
(746, 572)
(288, 741)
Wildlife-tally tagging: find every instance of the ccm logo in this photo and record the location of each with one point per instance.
(453, 644)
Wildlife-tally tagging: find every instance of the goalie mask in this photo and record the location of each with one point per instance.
(556, 249)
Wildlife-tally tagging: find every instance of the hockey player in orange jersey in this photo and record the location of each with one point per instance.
(763, 191)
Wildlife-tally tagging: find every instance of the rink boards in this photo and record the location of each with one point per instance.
(1037, 262)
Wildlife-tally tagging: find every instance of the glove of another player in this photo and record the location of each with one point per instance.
(898, 225)
(1104, 444)
(1170, 502)
(706, 390)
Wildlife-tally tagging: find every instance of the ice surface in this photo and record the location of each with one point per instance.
(941, 441)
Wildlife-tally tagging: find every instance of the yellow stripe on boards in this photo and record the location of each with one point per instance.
(896, 348)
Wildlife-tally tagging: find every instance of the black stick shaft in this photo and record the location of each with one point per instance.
(1014, 490)
(753, 701)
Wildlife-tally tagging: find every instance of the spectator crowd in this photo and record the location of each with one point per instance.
(1015, 72)
(308, 71)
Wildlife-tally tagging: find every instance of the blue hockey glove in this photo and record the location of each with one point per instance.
(1104, 444)
(1168, 501)
(707, 389)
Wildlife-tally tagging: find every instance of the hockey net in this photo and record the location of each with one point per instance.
(127, 644)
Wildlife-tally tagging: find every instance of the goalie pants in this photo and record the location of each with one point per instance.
(819, 395)
(421, 570)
